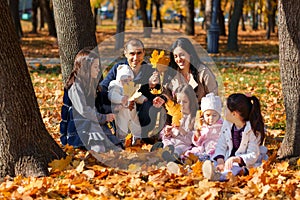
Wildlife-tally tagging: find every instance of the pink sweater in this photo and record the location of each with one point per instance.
(205, 145)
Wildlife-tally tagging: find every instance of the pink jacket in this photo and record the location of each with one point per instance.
(206, 143)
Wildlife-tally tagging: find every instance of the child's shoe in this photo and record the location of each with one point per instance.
(136, 141)
(209, 171)
(169, 155)
(156, 146)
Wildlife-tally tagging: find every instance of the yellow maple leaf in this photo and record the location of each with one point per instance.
(159, 61)
(60, 164)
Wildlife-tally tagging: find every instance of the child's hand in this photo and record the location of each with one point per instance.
(124, 100)
(131, 105)
(229, 162)
(197, 135)
(182, 131)
(220, 165)
(168, 131)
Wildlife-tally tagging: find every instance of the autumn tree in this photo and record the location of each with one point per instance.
(26, 147)
(146, 23)
(190, 14)
(75, 30)
(232, 42)
(121, 22)
(289, 59)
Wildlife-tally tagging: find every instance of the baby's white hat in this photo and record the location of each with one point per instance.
(123, 71)
(211, 102)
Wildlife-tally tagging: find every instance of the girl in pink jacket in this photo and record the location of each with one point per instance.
(208, 127)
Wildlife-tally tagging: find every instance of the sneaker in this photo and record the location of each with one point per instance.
(136, 141)
(209, 171)
(156, 146)
(170, 157)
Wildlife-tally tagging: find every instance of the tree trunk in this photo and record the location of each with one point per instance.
(232, 43)
(158, 16)
(254, 16)
(190, 14)
(14, 9)
(269, 17)
(45, 6)
(289, 59)
(221, 20)
(121, 17)
(146, 24)
(208, 12)
(26, 146)
(76, 30)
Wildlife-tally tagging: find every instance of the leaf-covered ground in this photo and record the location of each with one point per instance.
(145, 175)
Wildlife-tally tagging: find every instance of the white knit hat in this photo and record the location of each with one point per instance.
(123, 71)
(211, 102)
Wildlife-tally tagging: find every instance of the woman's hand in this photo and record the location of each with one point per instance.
(154, 79)
(110, 117)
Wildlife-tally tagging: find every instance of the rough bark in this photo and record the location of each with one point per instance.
(75, 30)
(289, 59)
(232, 42)
(26, 147)
(190, 23)
(121, 20)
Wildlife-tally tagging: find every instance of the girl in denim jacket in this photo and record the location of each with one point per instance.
(82, 125)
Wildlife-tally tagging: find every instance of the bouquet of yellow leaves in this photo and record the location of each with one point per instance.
(159, 62)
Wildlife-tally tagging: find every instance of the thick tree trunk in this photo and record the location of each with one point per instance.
(75, 30)
(190, 14)
(121, 20)
(232, 42)
(289, 59)
(26, 147)
(45, 6)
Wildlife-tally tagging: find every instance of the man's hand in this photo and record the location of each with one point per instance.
(110, 117)
(158, 102)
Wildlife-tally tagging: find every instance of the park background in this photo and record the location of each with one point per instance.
(253, 68)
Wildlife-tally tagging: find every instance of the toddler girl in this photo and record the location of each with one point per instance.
(208, 128)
